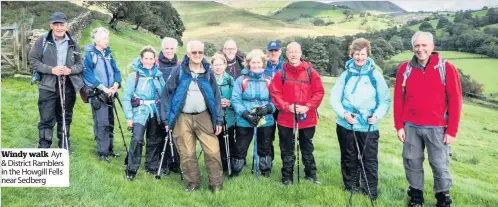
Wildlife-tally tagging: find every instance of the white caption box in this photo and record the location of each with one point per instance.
(32, 167)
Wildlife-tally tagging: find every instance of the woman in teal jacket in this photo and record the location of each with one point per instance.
(251, 101)
(360, 98)
(141, 107)
(225, 84)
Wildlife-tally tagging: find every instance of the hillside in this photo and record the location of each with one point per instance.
(379, 6)
(37, 13)
(262, 7)
(309, 11)
(215, 22)
(451, 17)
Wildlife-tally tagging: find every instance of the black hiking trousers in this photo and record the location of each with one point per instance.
(350, 165)
(49, 106)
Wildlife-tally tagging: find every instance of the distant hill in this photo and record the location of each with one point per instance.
(380, 6)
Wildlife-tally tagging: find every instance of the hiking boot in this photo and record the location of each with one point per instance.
(130, 174)
(151, 171)
(192, 187)
(175, 170)
(416, 197)
(443, 199)
(113, 154)
(312, 178)
(104, 158)
(266, 174)
(215, 189)
(286, 181)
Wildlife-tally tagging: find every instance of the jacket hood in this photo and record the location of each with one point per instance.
(165, 60)
(369, 65)
(137, 67)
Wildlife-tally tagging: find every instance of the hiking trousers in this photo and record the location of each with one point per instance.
(49, 106)
(351, 166)
(244, 136)
(189, 128)
(416, 140)
(286, 138)
(103, 126)
(152, 148)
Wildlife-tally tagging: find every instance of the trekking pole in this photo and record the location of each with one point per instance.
(119, 124)
(158, 175)
(227, 143)
(296, 139)
(62, 95)
(255, 153)
(355, 139)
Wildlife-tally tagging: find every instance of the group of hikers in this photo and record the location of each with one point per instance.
(235, 99)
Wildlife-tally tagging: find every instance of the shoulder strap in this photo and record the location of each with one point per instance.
(136, 80)
(283, 76)
(373, 81)
(44, 43)
(309, 74)
(245, 81)
(95, 58)
(442, 70)
(348, 76)
(405, 75)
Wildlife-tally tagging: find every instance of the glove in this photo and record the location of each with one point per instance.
(263, 110)
(253, 120)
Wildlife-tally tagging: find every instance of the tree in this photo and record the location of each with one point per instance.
(484, 8)
(492, 15)
(318, 22)
(362, 14)
(141, 13)
(443, 21)
(348, 13)
(118, 9)
(382, 50)
(406, 34)
(427, 27)
(210, 49)
(397, 43)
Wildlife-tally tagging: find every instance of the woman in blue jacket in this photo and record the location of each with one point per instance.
(141, 106)
(360, 98)
(102, 75)
(251, 101)
(225, 84)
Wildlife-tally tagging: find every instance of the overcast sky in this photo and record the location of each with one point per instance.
(434, 5)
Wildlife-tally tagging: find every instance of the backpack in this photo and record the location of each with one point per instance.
(245, 81)
(284, 77)
(441, 65)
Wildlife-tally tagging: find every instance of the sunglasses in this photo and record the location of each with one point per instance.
(197, 52)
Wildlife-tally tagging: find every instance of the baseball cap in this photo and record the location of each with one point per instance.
(273, 45)
(58, 17)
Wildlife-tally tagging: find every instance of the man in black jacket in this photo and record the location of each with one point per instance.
(56, 57)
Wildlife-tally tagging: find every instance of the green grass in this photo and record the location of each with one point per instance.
(266, 8)
(480, 69)
(451, 18)
(93, 183)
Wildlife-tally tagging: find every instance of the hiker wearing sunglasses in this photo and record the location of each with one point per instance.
(360, 98)
(191, 107)
(427, 107)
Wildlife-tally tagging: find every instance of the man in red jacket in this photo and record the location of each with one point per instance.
(297, 89)
(427, 107)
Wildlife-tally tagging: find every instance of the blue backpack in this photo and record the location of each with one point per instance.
(373, 81)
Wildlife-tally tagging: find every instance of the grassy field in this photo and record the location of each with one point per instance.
(472, 64)
(266, 8)
(451, 18)
(95, 183)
